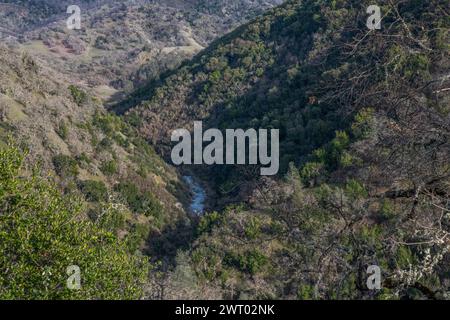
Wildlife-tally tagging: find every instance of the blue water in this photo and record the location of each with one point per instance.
(199, 195)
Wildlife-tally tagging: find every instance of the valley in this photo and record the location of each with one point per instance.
(358, 175)
(122, 44)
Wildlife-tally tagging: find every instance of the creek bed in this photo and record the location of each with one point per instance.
(197, 205)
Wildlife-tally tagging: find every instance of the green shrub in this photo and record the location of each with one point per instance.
(363, 123)
(387, 209)
(311, 170)
(151, 206)
(404, 257)
(305, 292)
(79, 96)
(208, 221)
(83, 159)
(94, 190)
(253, 228)
(109, 168)
(105, 144)
(65, 166)
(138, 234)
(112, 218)
(63, 131)
(140, 202)
(355, 189)
(252, 261)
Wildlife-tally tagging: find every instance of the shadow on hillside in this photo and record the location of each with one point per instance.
(163, 246)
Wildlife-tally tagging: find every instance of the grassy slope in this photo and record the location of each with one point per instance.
(90, 152)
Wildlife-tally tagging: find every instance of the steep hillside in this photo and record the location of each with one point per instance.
(306, 69)
(79, 185)
(364, 117)
(90, 153)
(364, 120)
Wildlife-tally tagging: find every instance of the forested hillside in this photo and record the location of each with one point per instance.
(364, 120)
(365, 147)
(79, 185)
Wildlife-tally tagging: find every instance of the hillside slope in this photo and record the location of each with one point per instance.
(121, 44)
(365, 139)
(306, 69)
(90, 153)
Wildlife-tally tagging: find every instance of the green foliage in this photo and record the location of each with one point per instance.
(346, 159)
(79, 96)
(105, 144)
(371, 236)
(63, 131)
(109, 168)
(95, 191)
(387, 209)
(206, 262)
(138, 234)
(110, 124)
(348, 288)
(208, 221)
(305, 292)
(311, 170)
(404, 257)
(83, 159)
(140, 202)
(331, 156)
(253, 228)
(65, 166)
(42, 233)
(362, 125)
(355, 189)
(252, 261)
(112, 219)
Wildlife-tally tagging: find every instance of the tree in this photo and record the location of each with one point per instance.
(42, 233)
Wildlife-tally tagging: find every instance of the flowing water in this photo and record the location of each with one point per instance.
(197, 205)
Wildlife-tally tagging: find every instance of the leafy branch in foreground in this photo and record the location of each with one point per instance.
(43, 232)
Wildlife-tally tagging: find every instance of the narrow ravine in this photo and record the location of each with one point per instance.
(197, 205)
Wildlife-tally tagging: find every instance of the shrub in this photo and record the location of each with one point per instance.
(355, 189)
(112, 217)
(65, 166)
(105, 144)
(311, 170)
(151, 206)
(305, 292)
(83, 159)
(252, 261)
(79, 96)
(363, 123)
(94, 190)
(109, 168)
(253, 228)
(63, 131)
(138, 234)
(208, 221)
(140, 202)
(387, 209)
